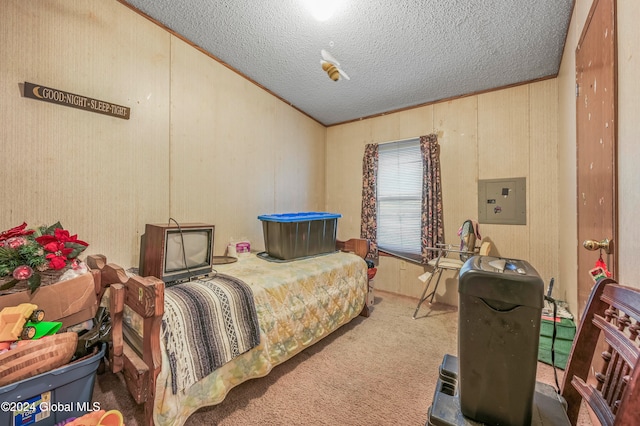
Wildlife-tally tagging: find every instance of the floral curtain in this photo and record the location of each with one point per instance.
(432, 222)
(369, 222)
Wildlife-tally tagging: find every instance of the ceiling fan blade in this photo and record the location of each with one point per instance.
(344, 74)
(329, 58)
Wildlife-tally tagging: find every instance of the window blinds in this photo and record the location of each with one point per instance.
(400, 197)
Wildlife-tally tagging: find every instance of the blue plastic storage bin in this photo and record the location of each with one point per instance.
(294, 235)
(66, 390)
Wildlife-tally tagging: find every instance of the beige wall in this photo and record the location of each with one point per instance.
(203, 144)
(629, 140)
(507, 133)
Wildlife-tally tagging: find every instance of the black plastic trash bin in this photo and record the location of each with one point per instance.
(500, 309)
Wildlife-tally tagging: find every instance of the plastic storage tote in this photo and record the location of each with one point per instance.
(51, 397)
(500, 311)
(294, 235)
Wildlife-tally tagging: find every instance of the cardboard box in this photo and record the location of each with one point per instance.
(70, 302)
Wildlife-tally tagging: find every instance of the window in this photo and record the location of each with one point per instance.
(399, 200)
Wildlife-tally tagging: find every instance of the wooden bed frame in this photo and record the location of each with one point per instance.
(145, 295)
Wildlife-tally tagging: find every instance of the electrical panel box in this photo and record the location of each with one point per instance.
(502, 201)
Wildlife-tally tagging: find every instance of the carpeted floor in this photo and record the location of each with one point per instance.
(380, 370)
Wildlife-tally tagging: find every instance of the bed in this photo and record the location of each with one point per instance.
(296, 303)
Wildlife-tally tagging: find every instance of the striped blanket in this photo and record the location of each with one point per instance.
(206, 324)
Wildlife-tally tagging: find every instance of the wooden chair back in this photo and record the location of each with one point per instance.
(603, 365)
(485, 248)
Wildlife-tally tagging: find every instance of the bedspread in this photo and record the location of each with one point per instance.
(297, 304)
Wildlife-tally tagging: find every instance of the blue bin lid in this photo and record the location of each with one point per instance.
(298, 217)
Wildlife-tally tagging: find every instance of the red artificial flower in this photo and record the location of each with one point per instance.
(56, 261)
(46, 239)
(17, 231)
(58, 254)
(63, 236)
(55, 245)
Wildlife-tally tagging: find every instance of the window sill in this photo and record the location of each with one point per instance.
(383, 253)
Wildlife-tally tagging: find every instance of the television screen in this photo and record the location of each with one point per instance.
(192, 245)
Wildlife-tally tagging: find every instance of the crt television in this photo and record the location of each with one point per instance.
(174, 252)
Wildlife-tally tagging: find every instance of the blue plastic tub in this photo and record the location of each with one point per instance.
(51, 397)
(295, 235)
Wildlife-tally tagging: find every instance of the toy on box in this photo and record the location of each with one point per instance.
(22, 323)
(13, 322)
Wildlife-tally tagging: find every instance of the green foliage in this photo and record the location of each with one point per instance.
(9, 284)
(77, 249)
(33, 254)
(34, 282)
(9, 259)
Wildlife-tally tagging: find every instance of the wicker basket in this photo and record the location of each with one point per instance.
(48, 277)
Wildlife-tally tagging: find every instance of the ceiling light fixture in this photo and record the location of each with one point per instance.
(322, 9)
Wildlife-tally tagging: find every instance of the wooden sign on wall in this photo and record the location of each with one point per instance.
(47, 94)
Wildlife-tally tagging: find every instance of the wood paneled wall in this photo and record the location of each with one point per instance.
(203, 144)
(501, 134)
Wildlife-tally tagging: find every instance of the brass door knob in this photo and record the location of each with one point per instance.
(606, 245)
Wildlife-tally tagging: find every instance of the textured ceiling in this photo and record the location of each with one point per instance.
(397, 54)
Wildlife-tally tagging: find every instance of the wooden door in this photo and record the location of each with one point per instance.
(596, 101)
